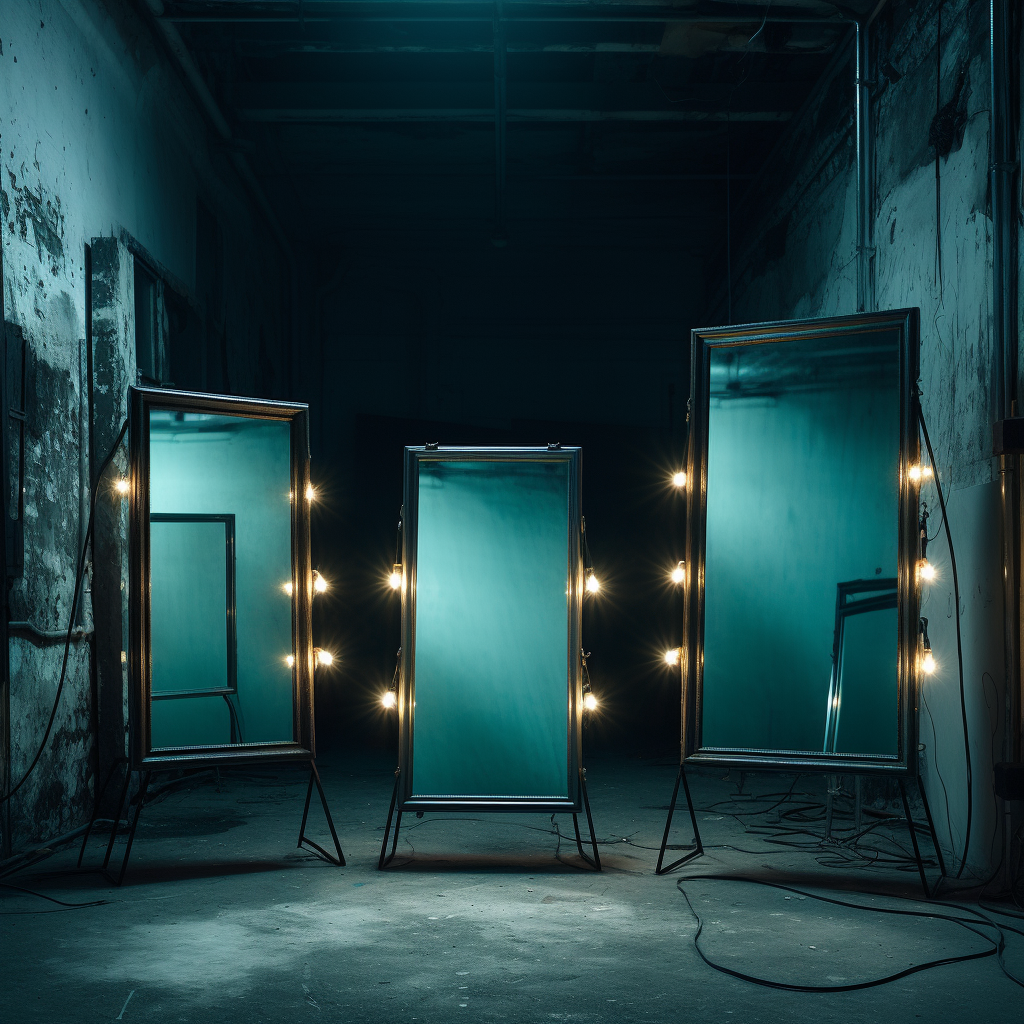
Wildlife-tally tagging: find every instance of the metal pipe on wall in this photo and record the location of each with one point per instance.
(862, 117)
(500, 236)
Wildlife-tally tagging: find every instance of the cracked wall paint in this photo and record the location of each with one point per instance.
(98, 136)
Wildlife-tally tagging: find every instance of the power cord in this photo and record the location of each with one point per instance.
(995, 949)
(959, 646)
(79, 576)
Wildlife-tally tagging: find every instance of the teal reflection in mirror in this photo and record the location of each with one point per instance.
(858, 712)
(802, 495)
(220, 560)
(491, 711)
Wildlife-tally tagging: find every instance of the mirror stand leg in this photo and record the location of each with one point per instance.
(314, 776)
(117, 813)
(931, 827)
(384, 858)
(698, 846)
(928, 892)
(96, 808)
(595, 861)
(144, 778)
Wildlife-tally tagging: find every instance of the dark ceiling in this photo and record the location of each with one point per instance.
(361, 113)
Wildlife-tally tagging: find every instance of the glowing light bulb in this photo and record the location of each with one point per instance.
(914, 473)
(679, 573)
(310, 492)
(319, 583)
(324, 657)
(672, 657)
(288, 588)
(121, 485)
(928, 663)
(590, 702)
(592, 583)
(679, 479)
(395, 579)
(925, 569)
(389, 700)
(290, 661)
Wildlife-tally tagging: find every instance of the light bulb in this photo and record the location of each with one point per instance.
(324, 657)
(914, 473)
(319, 583)
(679, 479)
(288, 588)
(679, 573)
(310, 492)
(395, 579)
(928, 662)
(121, 485)
(389, 700)
(590, 702)
(290, 661)
(592, 583)
(672, 656)
(925, 569)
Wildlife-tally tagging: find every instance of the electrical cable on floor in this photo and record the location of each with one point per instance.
(996, 946)
(79, 576)
(959, 644)
(52, 899)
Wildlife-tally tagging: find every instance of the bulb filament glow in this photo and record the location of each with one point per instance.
(672, 656)
(122, 486)
(679, 479)
(395, 579)
(590, 702)
(592, 582)
(928, 663)
(324, 657)
(319, 583)
(389, 700)
(310, 492)
(679, 573)
(290, 661)
(925, 570)
(288, 588)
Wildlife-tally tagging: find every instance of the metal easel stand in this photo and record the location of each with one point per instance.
(140, 800)
(386, 858)
(698, 846)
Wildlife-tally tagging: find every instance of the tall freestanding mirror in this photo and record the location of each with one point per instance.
(220, 653)
(490, 698)
(802, 641)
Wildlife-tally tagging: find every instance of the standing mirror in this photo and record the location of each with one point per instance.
(221, 658)
(490, 698)
(801, 609)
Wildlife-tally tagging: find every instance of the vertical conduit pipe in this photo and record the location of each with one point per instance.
(500, 235)
(1002, 169)
(862, 110)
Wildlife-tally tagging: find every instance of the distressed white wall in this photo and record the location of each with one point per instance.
(97, 136)
(815, 275)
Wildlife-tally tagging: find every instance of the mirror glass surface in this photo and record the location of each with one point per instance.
(220, 575)
(802, 497)
(491, 712)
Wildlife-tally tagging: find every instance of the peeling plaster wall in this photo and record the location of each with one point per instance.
(99, 137)
(797, 258)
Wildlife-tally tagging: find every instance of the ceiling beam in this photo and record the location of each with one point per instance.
(402, 101)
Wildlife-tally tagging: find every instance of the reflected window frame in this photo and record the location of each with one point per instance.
(300, 747)
(904, 323)
(415, 456)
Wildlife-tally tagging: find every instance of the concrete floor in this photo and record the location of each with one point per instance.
(488, 917)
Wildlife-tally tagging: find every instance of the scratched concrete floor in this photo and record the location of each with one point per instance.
(485, 918)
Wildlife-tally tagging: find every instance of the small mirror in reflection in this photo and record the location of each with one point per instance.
(220, 580)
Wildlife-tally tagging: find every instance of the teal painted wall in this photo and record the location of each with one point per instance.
(245, 471)
(802, 494)
(491, 712)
